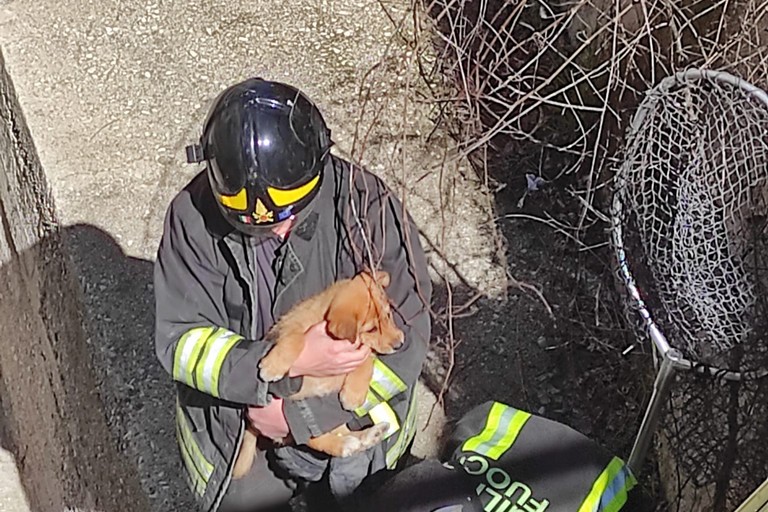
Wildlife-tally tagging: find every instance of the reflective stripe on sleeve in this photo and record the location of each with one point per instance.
(200, 355)
(198, 468)
(385, 385)
(502, 427)
(609, 492)
(383, 412)
(385, 382)
(371, 401)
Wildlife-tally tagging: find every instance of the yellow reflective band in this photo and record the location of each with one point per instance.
(286, 197)
(502, 427)
(491, 426)
(406, 435)
(193, 475)
(383, 412)
(385, 382)
(187, 350)
(371, 401)
(238, 201)
(200, 355)
(609, 492)
(209, 367)
(198, 467)
(510, 436)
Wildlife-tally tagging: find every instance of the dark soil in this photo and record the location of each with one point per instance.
(581, 364)
(568, 366)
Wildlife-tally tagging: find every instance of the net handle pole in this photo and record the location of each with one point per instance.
(659, 340)
(661, 387)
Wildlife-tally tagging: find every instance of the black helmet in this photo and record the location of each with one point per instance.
(265, 145)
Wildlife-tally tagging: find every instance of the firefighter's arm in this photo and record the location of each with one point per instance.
(190, 340)
(393, 237)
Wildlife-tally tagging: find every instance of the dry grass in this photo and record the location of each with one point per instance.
(556, 83)
(565, 75)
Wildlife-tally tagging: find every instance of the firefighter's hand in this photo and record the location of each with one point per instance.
(324, 356)
(270, 420)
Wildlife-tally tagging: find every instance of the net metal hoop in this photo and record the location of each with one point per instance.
(660, 342)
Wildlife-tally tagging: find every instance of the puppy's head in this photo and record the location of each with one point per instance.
(361, 310)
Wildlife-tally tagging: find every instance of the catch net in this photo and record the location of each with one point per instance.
(694, 185)
(693, 190)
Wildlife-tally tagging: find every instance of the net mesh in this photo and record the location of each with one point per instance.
(693, 185)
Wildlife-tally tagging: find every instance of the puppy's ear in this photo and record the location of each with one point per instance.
(342, 328)
(344, 315)
(382, 277)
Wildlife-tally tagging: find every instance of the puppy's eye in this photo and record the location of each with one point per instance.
(372, 329)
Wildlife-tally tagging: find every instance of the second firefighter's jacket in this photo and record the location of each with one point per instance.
(519, 462)
(208, 337)
(502, 459)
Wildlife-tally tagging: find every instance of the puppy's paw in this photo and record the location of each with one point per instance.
(271, 375)
(352, 398)
(272, 367)
(357, 442)
(375, 434)
(350, 446)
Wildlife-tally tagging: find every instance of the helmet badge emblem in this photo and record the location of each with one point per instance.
(261, 214)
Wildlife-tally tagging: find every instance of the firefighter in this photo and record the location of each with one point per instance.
(502, 459)
(274, 218)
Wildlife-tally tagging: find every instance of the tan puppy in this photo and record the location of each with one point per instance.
(355, 309)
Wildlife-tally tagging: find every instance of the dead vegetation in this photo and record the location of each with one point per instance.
(538, 96)
(547, 89)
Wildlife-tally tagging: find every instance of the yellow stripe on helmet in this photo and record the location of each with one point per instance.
(238, 201)
(286, 197)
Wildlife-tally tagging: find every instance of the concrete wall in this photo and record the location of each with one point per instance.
(113, 91)
(52, 419)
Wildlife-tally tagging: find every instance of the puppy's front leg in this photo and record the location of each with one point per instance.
(275, 365)
(356, 384)
(341, 442)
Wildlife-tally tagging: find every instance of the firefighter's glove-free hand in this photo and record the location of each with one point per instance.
(324, 356)
(270, 420)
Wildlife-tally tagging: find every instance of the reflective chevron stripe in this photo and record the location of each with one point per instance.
(383, 412)
(199, 356)
(371, 401)
(385, 385)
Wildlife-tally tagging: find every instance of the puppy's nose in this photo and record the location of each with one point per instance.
(399, 342)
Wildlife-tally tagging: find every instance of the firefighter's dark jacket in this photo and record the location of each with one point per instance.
(208, 341)
(502, 459)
